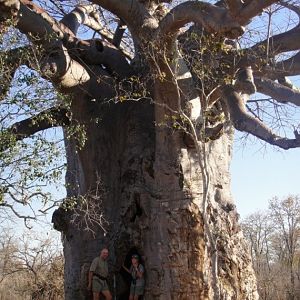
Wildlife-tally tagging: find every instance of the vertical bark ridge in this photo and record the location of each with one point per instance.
(153, 203)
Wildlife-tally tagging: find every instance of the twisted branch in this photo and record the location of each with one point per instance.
(242, 121)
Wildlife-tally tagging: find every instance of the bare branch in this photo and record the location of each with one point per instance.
(242, 121)
(52, 117)
(283, 42)
(25, 218)
(292, 7)
(277, 91)
(50, 207)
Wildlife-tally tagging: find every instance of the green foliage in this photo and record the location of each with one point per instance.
(28, 167)
(77, 132)
(209, 61)
(132, 88)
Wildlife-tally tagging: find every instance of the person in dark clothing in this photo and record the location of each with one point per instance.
(136, 271)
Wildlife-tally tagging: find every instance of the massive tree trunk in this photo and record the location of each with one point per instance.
(152, 200)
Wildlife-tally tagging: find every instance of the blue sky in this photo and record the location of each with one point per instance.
(261, 174)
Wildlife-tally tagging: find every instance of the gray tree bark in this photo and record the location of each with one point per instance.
(153, 203)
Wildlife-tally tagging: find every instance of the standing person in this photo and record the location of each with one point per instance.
(98, 276)
(137, 278)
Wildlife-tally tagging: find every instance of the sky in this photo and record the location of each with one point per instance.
(259, 174)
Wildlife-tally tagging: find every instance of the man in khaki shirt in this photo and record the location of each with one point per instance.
(98, 276)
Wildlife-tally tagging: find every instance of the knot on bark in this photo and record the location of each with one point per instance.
(245, 81)
(59, 220)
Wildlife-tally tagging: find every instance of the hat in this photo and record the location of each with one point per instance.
(135, 256)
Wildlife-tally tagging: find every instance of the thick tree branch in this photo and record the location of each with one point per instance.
(288, 67)
(245, 81)
(250, 9)
(113, 59)
(34, 22)
(84, 14)
(277, 91)
(284, 42)
(93, 52)
(256, 56)
(100, 52)
(242, 121)
(61, 69)
(49, 118)
(44, 30)
(211, 17)
(234, 6)
(281, 69)
(119, 34)
(56, 63)
(130, 11)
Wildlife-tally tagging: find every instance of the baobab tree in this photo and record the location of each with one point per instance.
(156, 89)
